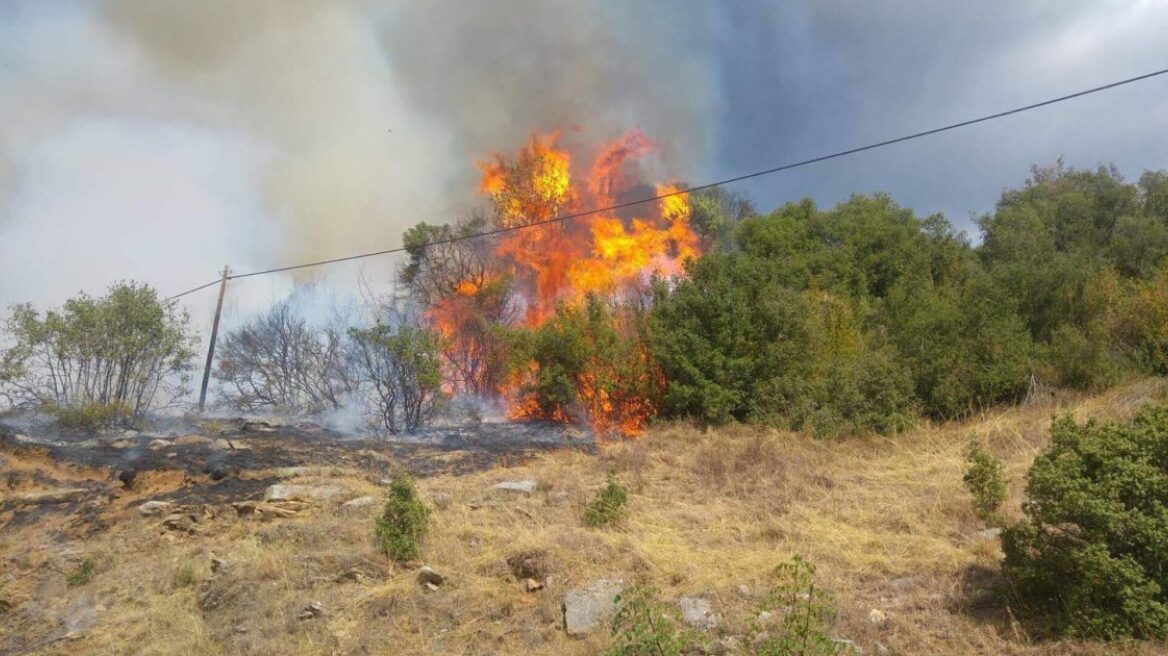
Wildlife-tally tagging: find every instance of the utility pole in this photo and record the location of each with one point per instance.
(214, 336)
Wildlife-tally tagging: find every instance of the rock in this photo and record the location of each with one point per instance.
(432, 587)
(217, 565)
(281, 492)
(314, 609)
(764, 617)
(531, 585)
(356, 505)
(181, 522)
(849, 646)
(520, 487)
(585, 608)
(535, 564)
(151, 508)
(428, 577)
(127, 476)
(882, 650)
(259, 426)
(59, 495)
(216, 472)
(441, 500)
(191, 440)
(697, 613)
(122, 443)
(246, 507)
(160, 444)
(877, 617)
(223, 444)
(988, 534)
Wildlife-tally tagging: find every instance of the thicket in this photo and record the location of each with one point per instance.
(96, 361)
(1089, 559)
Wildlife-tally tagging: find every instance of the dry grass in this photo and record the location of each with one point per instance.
(886, 521)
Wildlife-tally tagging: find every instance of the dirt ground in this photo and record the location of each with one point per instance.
(222, 571)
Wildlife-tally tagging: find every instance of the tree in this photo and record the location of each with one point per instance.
(278, 362)
(402, 365)
(120, 350)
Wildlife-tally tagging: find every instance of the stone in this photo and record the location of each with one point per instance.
(127, 476)
(260, 426)
(988, 534)
(151, 508)
(441, 500)
(160, 444)
(697, 613)
(519, 487)
(313, 609)
(849, 646)
(432, 587)
(533, 564)
(181, 522)
(428, 577)
(217, 565)
(532, 585)
(882, 650)
(191, 440)
(585, 608)
(282, 492)
(877, 617)
(356, 505)
(223, 444)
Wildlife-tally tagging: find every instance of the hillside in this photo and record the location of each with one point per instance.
(885, 520)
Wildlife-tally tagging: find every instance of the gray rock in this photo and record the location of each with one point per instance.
(877, 617)
(988, 534)
(696, 612)
(60, 495)
(151, 508)
(585, 608)
(849, 646)
(281, 492)
(314, 609)
(429, 577)
(160, 444)
(521, 487)
(441, 500)
(357, 505)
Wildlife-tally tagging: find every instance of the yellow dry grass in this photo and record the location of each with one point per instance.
(886, 521)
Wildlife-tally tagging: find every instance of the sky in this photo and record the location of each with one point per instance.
(158, 140)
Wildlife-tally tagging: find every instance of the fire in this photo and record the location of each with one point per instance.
(552, 262)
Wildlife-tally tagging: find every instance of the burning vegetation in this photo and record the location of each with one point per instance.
(548, 314)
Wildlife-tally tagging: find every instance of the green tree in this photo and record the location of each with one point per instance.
(402, 364)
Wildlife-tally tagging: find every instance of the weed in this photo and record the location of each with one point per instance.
(609, 505)
(806, 614)
(404, 520)
(643, 626)
(82, 574)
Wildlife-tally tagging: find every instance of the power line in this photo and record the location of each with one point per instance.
(710, 185)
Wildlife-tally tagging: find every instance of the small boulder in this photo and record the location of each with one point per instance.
(519, 487)
(151, 508)
(313, 609)
(532, 585)
(191, 440)
(430, 578)
(697, 613)
(160, 444)
(587, 607)
(441, 500)
(282, 492)
(877, 617)
(357, 505)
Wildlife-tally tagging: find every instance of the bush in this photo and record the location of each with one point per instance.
(805, 616)
(123, 348)
(609, 505)
(89, 418)
(643, 626)
(983, 478)
(83, 573)
(402, 365)
(404, 520)
(1090, 559)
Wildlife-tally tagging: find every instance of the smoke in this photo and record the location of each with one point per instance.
(160, 139)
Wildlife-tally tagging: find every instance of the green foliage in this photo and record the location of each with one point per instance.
(983, 479)
(120, 349)
(591, 363)
(82, 574)
(403, 365)
(644, 626)
(90, 417)
(1091, 557)
(186, 576)
(404, 520)
(609, 506)
(804, 613)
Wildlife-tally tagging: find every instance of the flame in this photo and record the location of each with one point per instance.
(553, 261)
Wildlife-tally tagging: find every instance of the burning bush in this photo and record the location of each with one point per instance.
(118, 351)
(402, 365)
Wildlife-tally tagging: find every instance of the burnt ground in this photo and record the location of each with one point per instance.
(193, 462)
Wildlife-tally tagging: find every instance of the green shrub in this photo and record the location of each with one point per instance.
(983, 478)
(185, 576)
(609, 505)
(1091, 557)
(805, 616)
(643, 626)
(89, 418)
(403, 522)
(83, 573)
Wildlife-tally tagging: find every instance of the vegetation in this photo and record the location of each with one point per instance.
(82, 574)
(402, 365)
(804, 615)
(404, 520)
(1089, 558)
(609, 506)
(643, 626)
(95, 360)
(983, 479)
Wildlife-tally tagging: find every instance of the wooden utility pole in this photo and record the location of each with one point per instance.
(214, 336)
